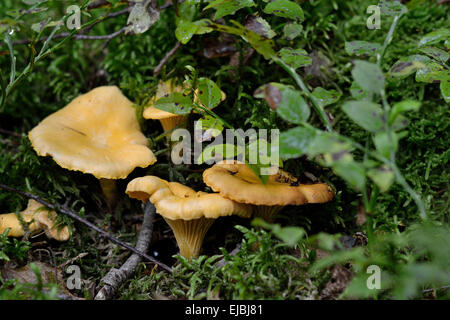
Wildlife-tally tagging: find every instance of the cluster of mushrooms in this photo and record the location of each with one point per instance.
(98, 133)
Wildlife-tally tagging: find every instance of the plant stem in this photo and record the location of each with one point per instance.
(412, 193)
(317, 107)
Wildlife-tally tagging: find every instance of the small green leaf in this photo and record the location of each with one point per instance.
(407, 66)
(261, 44)
(295, 58)
(357, 92)
(432, 73)
(185, 30)
(293, 108)
(175, 103)
(369, 76)
(392, 8)
(384, 145)
(208, 93)
(383, 177)
(445, 90)
(285, 9)
(209, 127)
(407, 105)
(362, 48)
(435, 37)
(436, 53)
(352, 172)
(292, 30)
(366, 114)
(227, 7)
(326, 97)
(295, 142)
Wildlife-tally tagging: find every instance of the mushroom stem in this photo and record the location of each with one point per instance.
(190, 234)
(109, 189)
(172, 122)
(268, 213)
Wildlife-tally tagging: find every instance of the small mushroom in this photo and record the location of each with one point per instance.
(188, 213)
(168, 120)
(38, 218)
(236, 181)
(97, 133)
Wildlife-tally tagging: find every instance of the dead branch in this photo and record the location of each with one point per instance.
(169, 54)
(68, 212)
(116, 277)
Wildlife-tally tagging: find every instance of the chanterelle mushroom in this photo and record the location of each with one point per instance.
(97, 133)
(236, 181)
(168, 120)
(38, 219)
(188, 213)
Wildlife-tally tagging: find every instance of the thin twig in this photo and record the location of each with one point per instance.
(70, 261)
(116, 277)
(79, 36)
(163, 62)
(82, 36)
(65, 210)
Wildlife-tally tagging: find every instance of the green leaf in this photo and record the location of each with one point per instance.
(392, 8)
(227, 7)
(289, 235)
(366, 114)
(369, 76)
(208, 93)
(407, 66)
(436, 53)
(326, 97)
(185, 30)
(260, 43)
(407, 105)
(295, 58)
(445, 90)
(293, 108)
(352, 172)
(285, 9)
(209, 127)
(175, 103)
(292, 30)
(435, 37)
(383, 177)
(295, 142)
(433, 72)
(384, 145)
(362, 48)
(357, 92)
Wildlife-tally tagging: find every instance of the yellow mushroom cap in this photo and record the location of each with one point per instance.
(236, 181)
(174, 201)
(165, 88)
(38, 217)
(97, 133)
